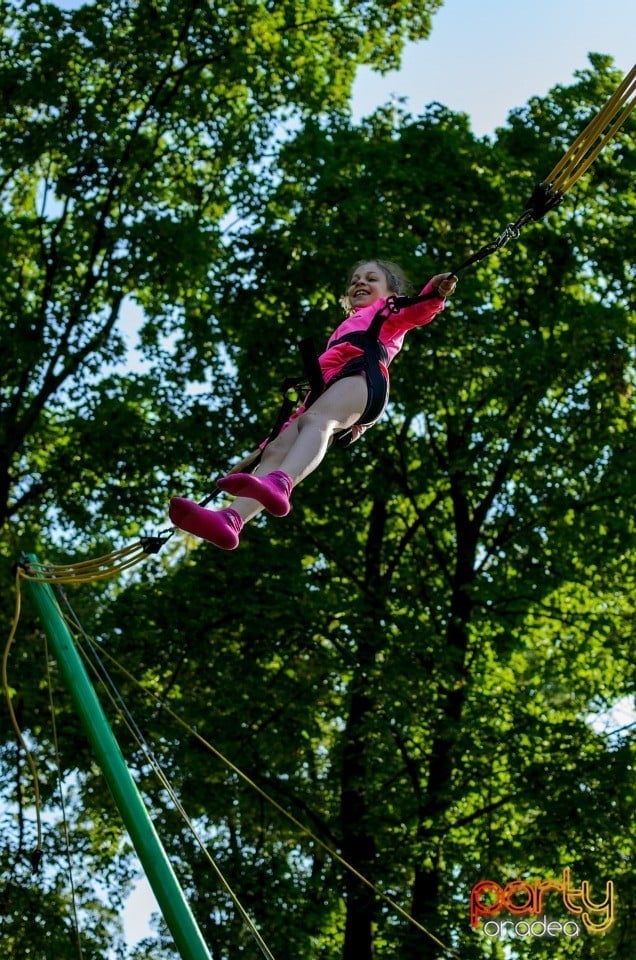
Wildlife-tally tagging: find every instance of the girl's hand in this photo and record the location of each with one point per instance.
(445, 283)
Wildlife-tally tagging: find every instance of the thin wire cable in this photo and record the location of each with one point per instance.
(119, 705)
(277, 806)
(37, 854)
(58, 764)
(99, 671)
(249, 782)
(51, 575)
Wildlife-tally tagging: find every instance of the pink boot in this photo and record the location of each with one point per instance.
(273, 490)
(220, 527)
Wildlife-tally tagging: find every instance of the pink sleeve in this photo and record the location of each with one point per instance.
(417, 315)
(427, 310)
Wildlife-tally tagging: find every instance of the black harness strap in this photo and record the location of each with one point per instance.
(393, 305)
(311, 366)
(374, 353)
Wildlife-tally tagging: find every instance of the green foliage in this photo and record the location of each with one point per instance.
(129, 130)
(408, 664)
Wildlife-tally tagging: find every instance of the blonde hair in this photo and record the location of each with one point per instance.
(396, 279)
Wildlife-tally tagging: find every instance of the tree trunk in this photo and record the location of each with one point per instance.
(442, 759)
(358, 842)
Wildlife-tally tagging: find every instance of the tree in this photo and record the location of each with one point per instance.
(502, 474)
(129, 130)
(412, 678)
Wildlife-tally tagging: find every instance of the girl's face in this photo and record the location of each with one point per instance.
(368, 283)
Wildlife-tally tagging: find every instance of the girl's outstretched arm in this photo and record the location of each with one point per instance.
(444, 282)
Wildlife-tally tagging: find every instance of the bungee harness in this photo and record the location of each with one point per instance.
(373, 354)
(307, 387)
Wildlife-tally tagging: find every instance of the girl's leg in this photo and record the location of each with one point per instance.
(286, 461)
(273, 455)
(338, 408)
(223, 527)
(303, 445)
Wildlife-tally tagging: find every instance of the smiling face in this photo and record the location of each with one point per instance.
(367, 284)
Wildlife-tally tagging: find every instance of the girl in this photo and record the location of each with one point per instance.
(355, 373)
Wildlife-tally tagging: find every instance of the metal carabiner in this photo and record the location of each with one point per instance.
(511, 232)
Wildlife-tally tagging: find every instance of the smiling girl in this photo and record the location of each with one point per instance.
(355, 372)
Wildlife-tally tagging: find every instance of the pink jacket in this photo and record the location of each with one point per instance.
(392, 334)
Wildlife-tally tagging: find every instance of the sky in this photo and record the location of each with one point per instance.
(486, 57)
(483, 58)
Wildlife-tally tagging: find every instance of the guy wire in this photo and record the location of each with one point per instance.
(37, 853)
(99, 670)
(279, 808)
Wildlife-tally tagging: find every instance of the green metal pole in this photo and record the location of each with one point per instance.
(170, 897)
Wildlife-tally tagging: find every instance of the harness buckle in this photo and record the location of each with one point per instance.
(391, 305)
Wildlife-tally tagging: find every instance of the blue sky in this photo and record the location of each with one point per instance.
(485, 57)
